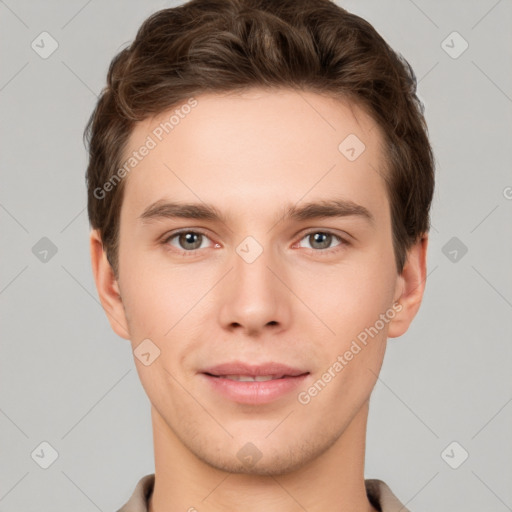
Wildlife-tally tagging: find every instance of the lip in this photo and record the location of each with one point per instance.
(254, 370)
(252, 392)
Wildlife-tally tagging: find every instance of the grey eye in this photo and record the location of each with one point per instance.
(188, 240)
(320, 240)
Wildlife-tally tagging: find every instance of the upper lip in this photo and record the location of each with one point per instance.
(240, 368)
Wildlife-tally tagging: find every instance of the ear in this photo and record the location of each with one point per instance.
(410, 287)
(107, 286)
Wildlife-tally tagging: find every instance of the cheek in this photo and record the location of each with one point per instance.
(350, 303)
(347, 298)
(157, 296)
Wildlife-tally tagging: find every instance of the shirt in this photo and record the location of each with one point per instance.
(379, 495)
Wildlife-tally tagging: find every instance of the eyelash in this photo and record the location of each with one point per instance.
(323, 252)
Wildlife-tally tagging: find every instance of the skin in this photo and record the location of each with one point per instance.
(249, 154)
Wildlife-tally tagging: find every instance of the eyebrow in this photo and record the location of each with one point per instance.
(163, 209)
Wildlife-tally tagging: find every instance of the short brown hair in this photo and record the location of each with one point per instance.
(230, 45)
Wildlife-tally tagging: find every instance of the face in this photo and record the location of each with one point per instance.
(284, 269)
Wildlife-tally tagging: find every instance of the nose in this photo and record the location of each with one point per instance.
(253, 297)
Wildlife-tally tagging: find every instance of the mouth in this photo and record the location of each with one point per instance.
(250, 378)
(268, 370)
(253, 384)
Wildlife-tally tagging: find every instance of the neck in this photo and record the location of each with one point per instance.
(332, 481)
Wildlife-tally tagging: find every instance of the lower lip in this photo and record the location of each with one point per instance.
(253, 392)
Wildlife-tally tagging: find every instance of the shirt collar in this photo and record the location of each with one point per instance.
(379, 494)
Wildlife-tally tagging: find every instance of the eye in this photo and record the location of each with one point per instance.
(320, 241)
(187, 241)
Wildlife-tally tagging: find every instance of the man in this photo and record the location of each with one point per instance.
(259, 183)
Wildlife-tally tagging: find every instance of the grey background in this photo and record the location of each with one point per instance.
(67, 379)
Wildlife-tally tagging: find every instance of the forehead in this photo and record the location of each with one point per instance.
(251, 150)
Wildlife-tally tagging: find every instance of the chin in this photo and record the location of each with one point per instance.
(264, 458)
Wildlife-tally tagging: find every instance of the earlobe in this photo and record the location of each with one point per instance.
(411, 282)
(107, 287)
